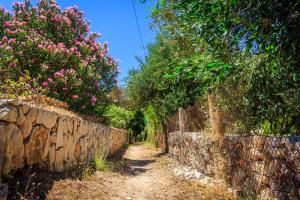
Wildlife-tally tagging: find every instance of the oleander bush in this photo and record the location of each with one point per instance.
(55, 52)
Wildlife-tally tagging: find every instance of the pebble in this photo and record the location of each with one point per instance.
(192, 174)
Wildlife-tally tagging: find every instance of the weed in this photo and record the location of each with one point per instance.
(86, 172)
(100, 163)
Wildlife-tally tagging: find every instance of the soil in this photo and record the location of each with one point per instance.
(142, 173)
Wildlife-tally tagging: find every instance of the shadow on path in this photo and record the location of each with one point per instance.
(32, 183)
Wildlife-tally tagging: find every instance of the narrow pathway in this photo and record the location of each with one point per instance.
(148, 178)
(142, 174)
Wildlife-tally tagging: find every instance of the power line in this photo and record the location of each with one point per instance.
(138, 27)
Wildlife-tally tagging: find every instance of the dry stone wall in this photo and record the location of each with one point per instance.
(262, 167)
(53, 139)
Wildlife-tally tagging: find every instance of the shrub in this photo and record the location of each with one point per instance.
(119, 117)
(58, 51)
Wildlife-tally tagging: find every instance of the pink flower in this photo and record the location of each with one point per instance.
(42, 11)
(53, 2)
(4, 38)
(15, 4)
(75, 96)
(12, 64)
(61, 45)
(7, 24)
(116, 81)
(11, 41)
(45, 84)
(59, 73)
(85, 63)
(67, 21)
(57, 18)
(42, 17)
(50, 80)
(93, 100)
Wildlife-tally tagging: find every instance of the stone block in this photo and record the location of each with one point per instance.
(47, 118)
(61, 130)
(13, 148)
(59, 159)
(30, 119)
(25, 108)
(8, 114)
(37, 148)
(9, 102)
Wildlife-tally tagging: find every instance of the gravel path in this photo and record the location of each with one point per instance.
(141, 174)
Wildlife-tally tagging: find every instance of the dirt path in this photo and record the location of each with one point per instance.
(142, 174)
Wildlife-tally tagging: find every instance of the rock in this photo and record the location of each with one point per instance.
(37, 148)
(21, 118)
(8, 114)
(14, 148)
(52, 154)
(30, 118)
(59, 159)
(70, 126)
(30, 135)
(3, 191)
(8, 102)
(25, 108)
(61, 130)
(77, 151)
(46, 118)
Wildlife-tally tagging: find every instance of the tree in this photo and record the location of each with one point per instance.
(245, 51)
(56, 50)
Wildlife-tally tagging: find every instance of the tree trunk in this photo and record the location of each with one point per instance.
(181, 120)
(166, 136)
(217, 125)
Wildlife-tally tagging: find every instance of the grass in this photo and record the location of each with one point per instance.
(148, 144)
(100, 163)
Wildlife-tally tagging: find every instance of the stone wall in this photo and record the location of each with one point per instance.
(265, 167)
(52, 138)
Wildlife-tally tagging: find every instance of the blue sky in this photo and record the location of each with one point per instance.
(115, 20)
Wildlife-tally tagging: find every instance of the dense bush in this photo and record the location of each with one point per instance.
(55, 49)
(246, 52)
(132, 121)
(119, 117)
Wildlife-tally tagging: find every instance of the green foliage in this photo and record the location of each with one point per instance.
(153, 124)
(119, 117)
(20, 88)
(137, 126)
(163, 81)
(247, 52)
(132, 121)
(100, 163)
